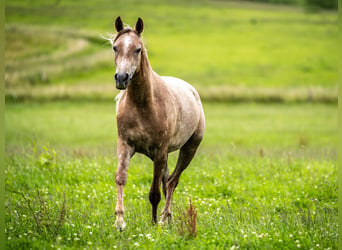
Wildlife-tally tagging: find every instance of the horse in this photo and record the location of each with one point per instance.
(155, 116)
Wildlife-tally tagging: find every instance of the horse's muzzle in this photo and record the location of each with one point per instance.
(121, 80)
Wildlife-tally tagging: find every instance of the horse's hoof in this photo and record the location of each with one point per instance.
(165, 219)
(120, 226)
(162, 225)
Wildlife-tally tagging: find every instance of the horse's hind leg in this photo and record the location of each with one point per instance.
(186, 154)
(165, 178)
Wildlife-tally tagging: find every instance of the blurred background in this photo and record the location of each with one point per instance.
(230, 50)
(273, 52)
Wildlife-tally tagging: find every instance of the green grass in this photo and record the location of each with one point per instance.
(212, 44)
(63, 125)
(264, 177)
(260, 203)
(244, 126)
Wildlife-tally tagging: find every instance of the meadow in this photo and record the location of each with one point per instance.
(265, 174)
(256, 182)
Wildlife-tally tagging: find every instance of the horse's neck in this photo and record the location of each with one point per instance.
(141, 89)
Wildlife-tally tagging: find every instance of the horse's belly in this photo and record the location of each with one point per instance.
(182, 134)
(147, 141)
(186, 123)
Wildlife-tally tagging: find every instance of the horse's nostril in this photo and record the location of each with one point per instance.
(125, 77)
(121, 77)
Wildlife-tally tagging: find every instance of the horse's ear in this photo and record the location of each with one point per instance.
(139, 26)
(118, 24)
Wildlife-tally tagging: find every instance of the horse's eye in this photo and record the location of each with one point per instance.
(115, 48)
(138, 50)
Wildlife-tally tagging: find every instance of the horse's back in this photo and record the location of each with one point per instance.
(183, 90)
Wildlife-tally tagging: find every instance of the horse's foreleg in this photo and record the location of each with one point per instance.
(124, 155)
(159, 165)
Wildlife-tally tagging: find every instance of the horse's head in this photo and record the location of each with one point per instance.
(128, 48)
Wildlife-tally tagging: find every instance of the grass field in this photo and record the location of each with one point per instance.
(265, 174)
(93, 125)
(264, 177)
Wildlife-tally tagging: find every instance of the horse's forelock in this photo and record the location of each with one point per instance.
(124, 31)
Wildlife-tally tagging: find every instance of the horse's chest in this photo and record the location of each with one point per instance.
(143, 133)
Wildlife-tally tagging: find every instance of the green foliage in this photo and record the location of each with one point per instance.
(310, 4)
(294, 2)
(47, 158)
(325, 4)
